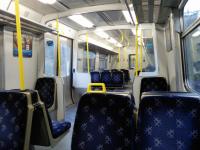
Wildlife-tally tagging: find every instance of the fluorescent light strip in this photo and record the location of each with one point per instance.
(79, 19)
(50, 2)
(128, 17)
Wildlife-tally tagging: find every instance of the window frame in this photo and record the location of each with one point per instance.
(184, 34)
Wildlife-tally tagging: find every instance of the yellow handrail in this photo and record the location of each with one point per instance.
(90, 90)
(58, 47)
(141, 52)
(88, 54)
(136, 47)
(19, 44)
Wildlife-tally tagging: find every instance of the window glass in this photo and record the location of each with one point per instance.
(66, 48)
(49, 57)
(148, 56)
(82, 59)
(192, 55)
(103, 62)
(191, 12)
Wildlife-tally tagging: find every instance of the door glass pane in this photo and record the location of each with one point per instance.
(49, 57)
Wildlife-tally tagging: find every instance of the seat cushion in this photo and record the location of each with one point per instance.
(169, 121)
(59, 127)
(117, 79)
(104, 122)
(13, 120)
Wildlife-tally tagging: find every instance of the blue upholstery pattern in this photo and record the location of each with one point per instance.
(117, 79)
(46, 89)
(106, 78)
(104, 122)
(95, 77)
(169, 121)
(59, 128)
(126, 75)
(153, 84)
(13, 120)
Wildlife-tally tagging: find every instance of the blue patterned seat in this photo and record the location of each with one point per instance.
(104, 122)
(13, 120)
(46, 87)
(106, 78)
(58, 128)
(117, 79)
(46, 90)
(153, 84)
(169, 121)
(95, 77)
(126, 75)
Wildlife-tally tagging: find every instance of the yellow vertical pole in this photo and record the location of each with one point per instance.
(88, 54)
(136, 47)
(141, 52)
(58, 47)
(19, 44)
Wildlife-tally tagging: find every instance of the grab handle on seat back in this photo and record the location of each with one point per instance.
(91, 86)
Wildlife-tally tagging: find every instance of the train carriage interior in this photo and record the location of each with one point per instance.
(99, 75)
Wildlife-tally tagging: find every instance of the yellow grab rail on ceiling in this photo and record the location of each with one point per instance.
(19, 44)
(141, 52)
(136, 47)
(88, 54)
(102, 85)
(58, 47)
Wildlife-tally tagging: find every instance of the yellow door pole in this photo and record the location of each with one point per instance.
(88, 54)
(141, 52)
(136, 47)
(19, 44)
(58, 47)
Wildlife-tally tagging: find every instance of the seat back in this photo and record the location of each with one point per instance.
(106, 78)
(104, 121)
(13, 120)
(46, 88)
(153, 84)
(117, 79)
(169, 121)
(126, 75)
(95, 77)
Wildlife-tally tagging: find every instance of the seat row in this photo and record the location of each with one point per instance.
(112, 78)
(24, 120)
(166, 120)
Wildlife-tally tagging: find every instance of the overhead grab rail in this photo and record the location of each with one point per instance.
(58, 47)
(19, 45)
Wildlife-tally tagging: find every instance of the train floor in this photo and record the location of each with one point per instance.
(65, 143)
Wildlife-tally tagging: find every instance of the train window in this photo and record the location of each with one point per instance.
(49, 57)
(66, 48)
(82, 59)
(103, 62)
(192, 56)
(191, 12)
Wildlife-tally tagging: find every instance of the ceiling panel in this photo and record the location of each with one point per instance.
(84, 3)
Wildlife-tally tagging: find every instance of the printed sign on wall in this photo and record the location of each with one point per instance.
(27, 43)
